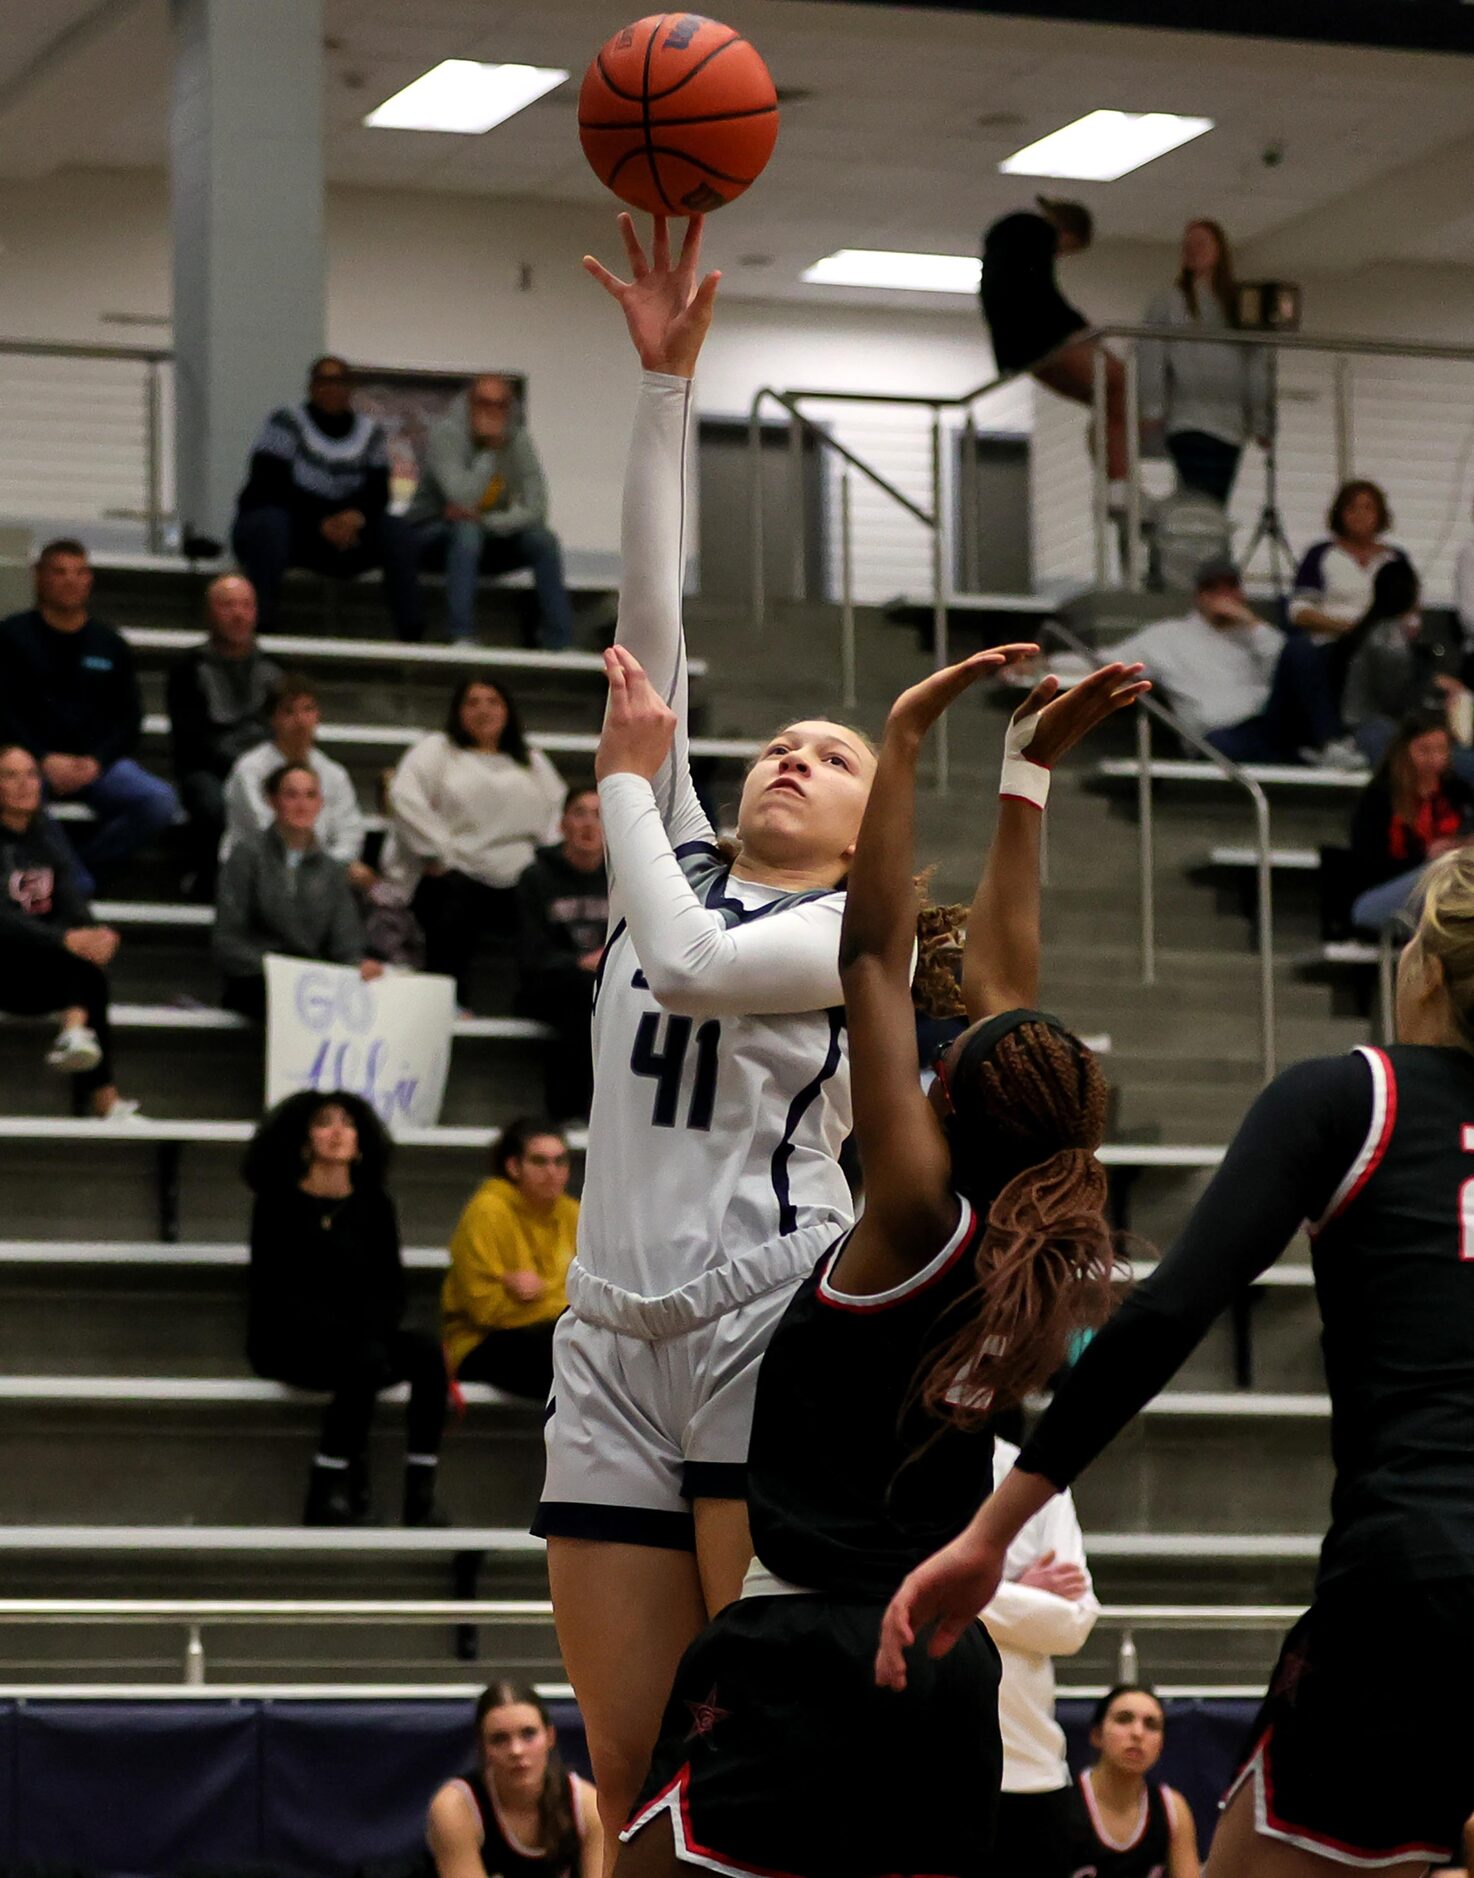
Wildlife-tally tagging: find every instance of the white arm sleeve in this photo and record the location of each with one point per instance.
(653, 565)
(344, 831)
(695, 963)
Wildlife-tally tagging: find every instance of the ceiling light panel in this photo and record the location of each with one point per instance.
(883, 267)
(465, 97)
(1104, 145)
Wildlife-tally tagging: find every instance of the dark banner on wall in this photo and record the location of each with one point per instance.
(1416, 25)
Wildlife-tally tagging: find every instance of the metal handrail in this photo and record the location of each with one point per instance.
(934, 520)
(1152, 707)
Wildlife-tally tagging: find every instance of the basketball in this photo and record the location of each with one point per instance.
(677, 114)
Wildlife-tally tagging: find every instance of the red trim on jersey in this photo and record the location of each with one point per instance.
(1258, 1763)
(966, 1231)
(1007, 795)
(1372, 1152)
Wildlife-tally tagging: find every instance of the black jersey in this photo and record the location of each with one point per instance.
(502, 1856)
(851, 1484)
(1093, 1854)
(1375, 1151)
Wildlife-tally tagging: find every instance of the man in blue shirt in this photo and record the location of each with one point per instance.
(69, 694)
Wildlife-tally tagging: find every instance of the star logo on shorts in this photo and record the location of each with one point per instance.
(1294, 1667)
(705, 1716)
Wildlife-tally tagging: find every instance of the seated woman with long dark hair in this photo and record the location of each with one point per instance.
(1125, 1824)
(53, 954)
(1414, 809)
(519, 1813)
(327, 1298)
(471, 805)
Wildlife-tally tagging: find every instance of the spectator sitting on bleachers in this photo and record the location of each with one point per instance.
(69, 694)
(294, 718)
(53, 954)
(519, 1809)
(509, 1259)
(1333, 583)
(471, 805)
(280, 892)
(1390, 671)
(1256, 694)
(1413, 810)
(326, 1298)
(218, 697)
(482, 508)
(563, 917)
(317, 496)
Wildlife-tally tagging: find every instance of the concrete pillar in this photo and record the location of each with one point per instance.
(247, 205)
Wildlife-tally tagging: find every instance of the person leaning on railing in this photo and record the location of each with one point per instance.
(1028, 317)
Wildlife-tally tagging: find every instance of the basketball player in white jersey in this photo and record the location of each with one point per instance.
(721, 1100)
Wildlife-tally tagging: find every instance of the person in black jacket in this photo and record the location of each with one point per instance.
(326, 1297)
(1413, 810)
(69, 694)
(219, 698)
(317, 495)
(1028, 317)
(562, 916)
(53, 954)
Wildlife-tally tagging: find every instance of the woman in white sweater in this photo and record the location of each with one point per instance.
(470, 805)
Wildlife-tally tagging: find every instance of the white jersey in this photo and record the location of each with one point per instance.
(721, 1073)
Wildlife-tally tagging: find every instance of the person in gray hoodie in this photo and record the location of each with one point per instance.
(281, 892)
(481, 508)
(1208, 400)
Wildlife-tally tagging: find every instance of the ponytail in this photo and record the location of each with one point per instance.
(1044, 1273)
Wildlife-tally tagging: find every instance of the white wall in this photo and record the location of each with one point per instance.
(429, 280)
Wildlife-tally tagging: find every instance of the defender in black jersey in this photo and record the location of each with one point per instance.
(981, 1248)
(1363, 1753)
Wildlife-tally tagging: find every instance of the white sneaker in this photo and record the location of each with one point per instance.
(1341, 753)
(125, 1109)
(76, 1050)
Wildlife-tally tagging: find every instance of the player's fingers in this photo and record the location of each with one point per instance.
(611, 283)
(1046, 689)
(614, 672)
(945, 1634)
(691, 244)
(1017, 653)
(660, 246)
(627, 661)
(704, 298)
(639, 266)
(1048, 1559)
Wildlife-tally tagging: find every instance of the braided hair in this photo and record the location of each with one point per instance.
(1029, 1115)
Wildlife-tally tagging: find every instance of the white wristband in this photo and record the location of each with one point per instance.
(1022, 778)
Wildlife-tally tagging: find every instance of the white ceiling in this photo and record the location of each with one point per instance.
(886, 150)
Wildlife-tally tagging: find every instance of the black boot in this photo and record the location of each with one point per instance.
(420, 1508)
(329, 1497)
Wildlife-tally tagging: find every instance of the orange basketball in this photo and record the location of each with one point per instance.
(677, 114)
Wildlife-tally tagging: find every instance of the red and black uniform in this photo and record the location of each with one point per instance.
(502, 1854)
(1095, 1854)
(1358, 1753)
(778, 1754)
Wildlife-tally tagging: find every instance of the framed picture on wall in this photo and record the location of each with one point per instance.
(408, 403)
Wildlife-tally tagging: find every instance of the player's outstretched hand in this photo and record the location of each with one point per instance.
(667, 312)
(639, 725)
(946, 1594)
(917, 709)
(1064, 717)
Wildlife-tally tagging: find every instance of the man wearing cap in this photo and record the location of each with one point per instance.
(1256, 694)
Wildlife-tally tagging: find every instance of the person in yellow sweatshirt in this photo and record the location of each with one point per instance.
(509, 1258)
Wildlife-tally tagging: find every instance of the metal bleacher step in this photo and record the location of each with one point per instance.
(1287, 776)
